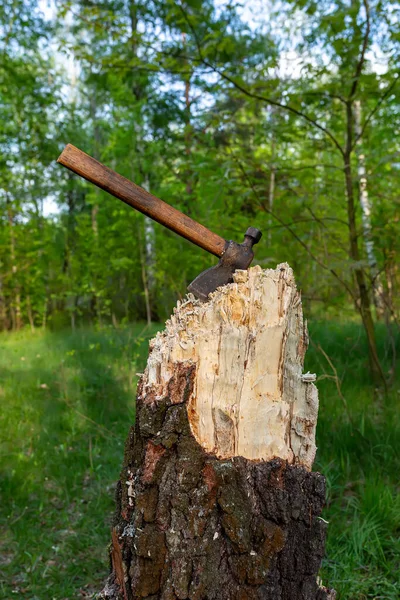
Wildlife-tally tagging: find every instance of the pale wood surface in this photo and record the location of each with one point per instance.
(250, 397)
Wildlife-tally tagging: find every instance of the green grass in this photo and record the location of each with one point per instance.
(358, 438)
(67, 401)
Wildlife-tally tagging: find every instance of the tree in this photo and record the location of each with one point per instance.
(327, 108)
(27, 98)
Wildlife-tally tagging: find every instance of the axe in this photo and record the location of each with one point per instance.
(232, 255)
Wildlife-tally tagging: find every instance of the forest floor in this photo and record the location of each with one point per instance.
(67, 401)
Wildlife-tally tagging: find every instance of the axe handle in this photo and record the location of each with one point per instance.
(84, 165)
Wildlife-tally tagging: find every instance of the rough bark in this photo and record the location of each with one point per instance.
(205, 509)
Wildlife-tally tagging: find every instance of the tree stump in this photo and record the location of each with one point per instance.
(216, 498)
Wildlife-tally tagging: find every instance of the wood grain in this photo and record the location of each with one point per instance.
(250, 397)
(216, 499)
(105, 178)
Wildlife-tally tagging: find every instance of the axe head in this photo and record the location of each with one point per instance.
(235, 256)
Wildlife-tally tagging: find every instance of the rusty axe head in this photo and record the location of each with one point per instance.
(236, 256)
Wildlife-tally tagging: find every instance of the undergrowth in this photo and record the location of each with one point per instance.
(67, 402)
(358, 439)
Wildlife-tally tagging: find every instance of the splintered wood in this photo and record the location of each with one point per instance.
(247, 345)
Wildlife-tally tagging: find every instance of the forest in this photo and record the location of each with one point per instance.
(277, 114)
(281, 115)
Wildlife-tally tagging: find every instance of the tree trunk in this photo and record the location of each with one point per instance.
(377, 288)
(142, 174)
(364, 299)
(3, 307)
(15, 308)
(271, 188)
(216, 498)
(148, 276)
(95, 302)
(145, 285)
(188, 137)
(30, 313)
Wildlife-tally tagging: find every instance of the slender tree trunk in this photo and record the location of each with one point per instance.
(364, 299)
(217, 500)
(146, 293)
(188, 135)
(95, 209)
(126, 309)
(29, 312)
(271, 188)
(188, 138)
(148, 276)
(45, 308)
(18, 312)
(390, 277)
(148, 261)
(15, 307)
(377, 288)
(3, 307)
(70, 197)
(144, 270)
(149, 245)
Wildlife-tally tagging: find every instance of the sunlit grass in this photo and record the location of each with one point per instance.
(67, 402)
(358, 438)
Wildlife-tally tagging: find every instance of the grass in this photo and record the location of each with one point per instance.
(67, 404)
(358, 437)
(66, 407)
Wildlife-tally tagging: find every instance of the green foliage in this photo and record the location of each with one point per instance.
(191, 101)
(236, 118)
(358, 439)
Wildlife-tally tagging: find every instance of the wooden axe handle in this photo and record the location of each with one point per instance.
(91, 169)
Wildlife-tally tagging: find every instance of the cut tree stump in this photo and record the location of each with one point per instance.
(216, 498)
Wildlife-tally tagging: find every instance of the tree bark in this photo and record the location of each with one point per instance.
(30, 313)
(3, 307)
(95, 300)
(15, 307)
(216, 498)
(148, 268)
(145, 280)
(377, 287)
(364, 299)
(138, 92)
(271, 187)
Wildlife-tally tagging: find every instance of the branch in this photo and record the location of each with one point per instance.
(376, 107)
(321, 222)
(327, 94)
(293, 233)
(314, 166)
(361, 61)
(256, 96)
(296, 221)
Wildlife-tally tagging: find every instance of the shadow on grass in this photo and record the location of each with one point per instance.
(68, 404)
